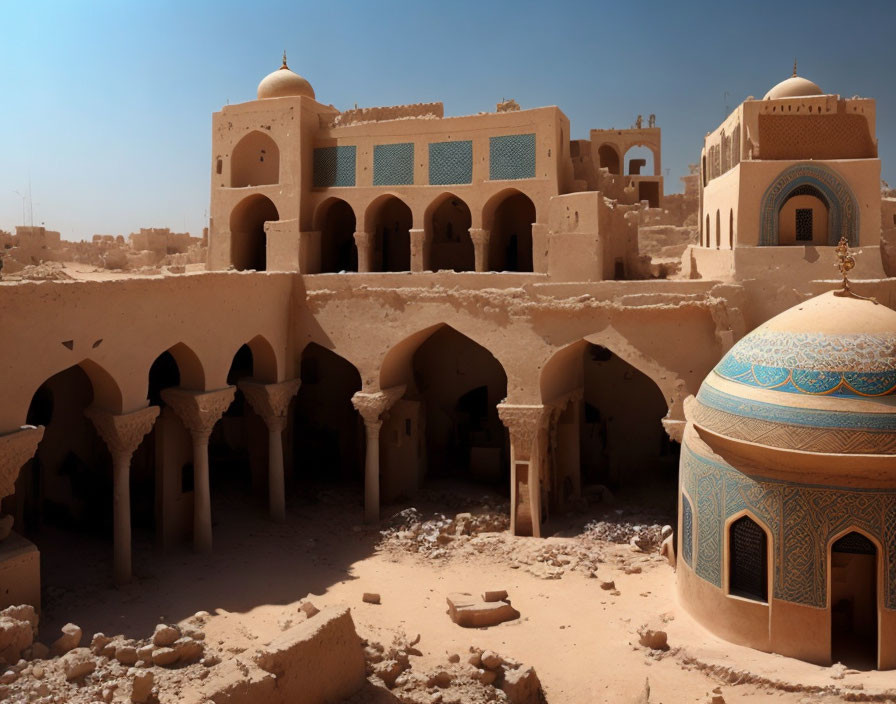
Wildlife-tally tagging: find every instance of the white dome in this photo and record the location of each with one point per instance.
(282, 83)
(793, 87)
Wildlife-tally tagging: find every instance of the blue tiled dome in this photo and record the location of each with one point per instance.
(819, 377)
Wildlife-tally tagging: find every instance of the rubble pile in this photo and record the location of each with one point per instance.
(436, 536)
(482, 676)
(109, 668)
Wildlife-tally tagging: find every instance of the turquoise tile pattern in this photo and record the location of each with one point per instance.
(393, 164)
(687, 531)
(802, 519)
(334, 166)
(511, 157)
(450, 163)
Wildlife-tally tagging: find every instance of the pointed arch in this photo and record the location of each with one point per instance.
(264, 360)
(447, 221)
(389, 220)
(336, 221)
(255, 161)
(508, 216)
(248, 239)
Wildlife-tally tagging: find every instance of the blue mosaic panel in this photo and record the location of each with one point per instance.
(450, 163)
(334, 166)
(393, 164)
(802, 519)
(511, 157)
(687, 531)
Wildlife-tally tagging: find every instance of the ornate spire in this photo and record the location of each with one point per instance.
(846, 262)
(794, 64)
(285, 66)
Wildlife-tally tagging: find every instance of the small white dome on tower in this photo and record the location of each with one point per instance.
(282, 83)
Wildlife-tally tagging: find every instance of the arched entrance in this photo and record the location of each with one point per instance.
(803, 217)
(248, 241)
(255, 161)
(448, 220)
(510, 222)
(336, 222)
(446, 428)
(640, 161)
(825, 186)
(608, 158)
(391, 222)
(608, 432)
(854, 601)
(328, 432)
(63, 498)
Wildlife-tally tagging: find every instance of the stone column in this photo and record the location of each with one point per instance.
(421, 242)
(122, 434)
(480, 239)
(271, 402)
(373, 408)
(16, 448)
(364, 244)
(199, 411)
(524, 423)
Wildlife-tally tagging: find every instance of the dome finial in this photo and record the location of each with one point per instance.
(846, 262)
(285, 66)
(794, 65)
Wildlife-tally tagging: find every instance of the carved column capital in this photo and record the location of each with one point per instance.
(479, 235)
(122, 433)
(523, 422)
(270, 401)
(199, 410)
(480, 239)
(373, 406)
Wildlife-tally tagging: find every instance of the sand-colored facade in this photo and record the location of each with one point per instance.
(394, 295)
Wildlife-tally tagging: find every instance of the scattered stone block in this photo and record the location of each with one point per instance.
(141, 686)
(126, 654)
(164, 657)
(15, 636)
(78, 663)
(371, 598)
(607, 584)
(491, 660)
(653, 638)
(309, 609)
(522, 686)
(99, 642)
(467, 611)
(388, 671)
(69, 640)
(188, 650)
(164, 635)
(144, 653)
(495, 595)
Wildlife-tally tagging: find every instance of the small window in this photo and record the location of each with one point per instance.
(748, 560)
(219, 167)
(804, 224)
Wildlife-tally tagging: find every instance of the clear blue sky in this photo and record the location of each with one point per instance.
(107, 105)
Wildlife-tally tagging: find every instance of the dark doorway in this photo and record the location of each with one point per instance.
(748, 565)
(337, 238)
(854, 610)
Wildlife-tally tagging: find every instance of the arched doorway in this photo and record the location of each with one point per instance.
(608, 433)
(446, 428)
(747, 560)
(854, 601)
(718, 230)
(451, 247)
(255, 161)
(64, 495)
(608, 158)
(336, 223)
(731, 229)
(391, 224)
(328, 431)
(510, 224)
(708, 235)
(803, 218)
(248, 241)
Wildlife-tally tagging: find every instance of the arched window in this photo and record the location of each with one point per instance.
(687, 530)
(608, 158)
(255, 161)
(718, 230)
(747, 560)
(707, 230)
(731, 229)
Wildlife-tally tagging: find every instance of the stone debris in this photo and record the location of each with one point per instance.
(77, 663)
(468, 611)
(495, 595)
(69, 640)
(652, 637)
(308, 609)
(164, 635)
(371, 598)
(141, 685)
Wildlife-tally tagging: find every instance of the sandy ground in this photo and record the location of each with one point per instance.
(581, 639)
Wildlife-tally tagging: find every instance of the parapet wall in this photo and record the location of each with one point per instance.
(379, 114)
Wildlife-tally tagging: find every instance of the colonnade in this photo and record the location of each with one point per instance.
(421, 249)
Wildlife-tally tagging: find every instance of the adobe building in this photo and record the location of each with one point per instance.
(393, 298)
(798, 168)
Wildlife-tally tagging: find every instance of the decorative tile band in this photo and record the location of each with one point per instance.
(814, 363)
(687, 531)
(334, 166)
(393, 164)
(802, 519)
(450, 163)
(792, 415)
(511, 157)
